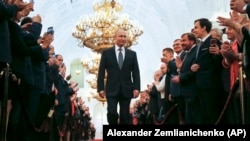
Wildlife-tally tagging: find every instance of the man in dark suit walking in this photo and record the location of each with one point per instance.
(123, 79)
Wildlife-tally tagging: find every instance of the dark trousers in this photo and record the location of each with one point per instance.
(20, 127)
(210, 104)
(192, 110)
(124, 106)
(172, 117)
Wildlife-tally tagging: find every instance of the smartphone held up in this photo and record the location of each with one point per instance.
(50, 30)
(213, 42)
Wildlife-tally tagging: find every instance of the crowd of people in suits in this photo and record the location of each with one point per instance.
(200, 81)
(38, 101)
(207, 82)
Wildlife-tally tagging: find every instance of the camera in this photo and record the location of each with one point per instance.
(50, 30)
(224, 30)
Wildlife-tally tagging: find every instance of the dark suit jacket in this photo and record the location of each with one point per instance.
(64, 91)
(63, 97)
(20, 51)
(127, 79)
(186, 76)
(6, 12)
(154, 103)
(183, 54)
(172, 71)
(209, 73)
(36, 63)
(32, 34)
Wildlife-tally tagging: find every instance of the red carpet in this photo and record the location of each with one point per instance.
(97, 140)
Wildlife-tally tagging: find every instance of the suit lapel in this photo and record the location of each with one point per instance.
(190, 55)
(205, 45)
(115, 57)
(182, 55)
(125, 57)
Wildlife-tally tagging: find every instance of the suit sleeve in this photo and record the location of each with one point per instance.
(19, 45)
(101, 73)
(172, 68)
(136, 75)
(7, 11)
(186, 77)
(36, 29)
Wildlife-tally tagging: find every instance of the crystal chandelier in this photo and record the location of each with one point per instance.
(96, 31)
(91, 65)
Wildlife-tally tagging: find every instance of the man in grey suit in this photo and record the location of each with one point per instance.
(123, 79)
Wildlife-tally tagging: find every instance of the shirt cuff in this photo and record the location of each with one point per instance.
(244, 8)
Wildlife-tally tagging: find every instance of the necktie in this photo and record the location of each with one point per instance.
(186, 54)
(198, 48)
(120, 58)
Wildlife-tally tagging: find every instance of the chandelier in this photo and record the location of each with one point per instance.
(96, 31)
(91, 65)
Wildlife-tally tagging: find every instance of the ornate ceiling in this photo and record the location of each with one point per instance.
(162, 21)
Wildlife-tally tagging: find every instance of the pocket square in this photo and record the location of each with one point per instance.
(204, 49)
